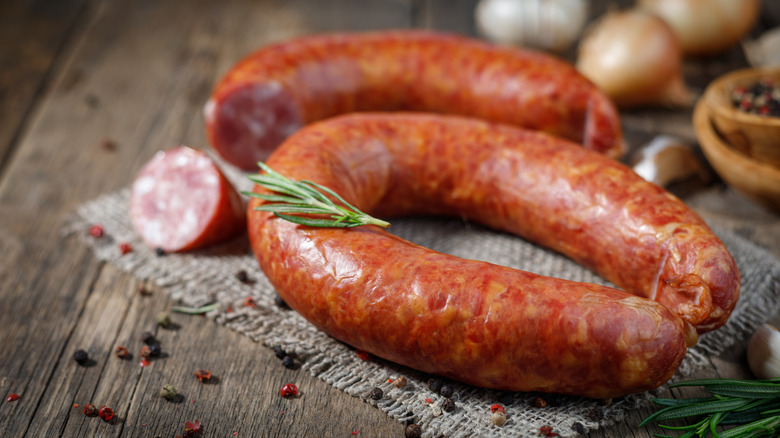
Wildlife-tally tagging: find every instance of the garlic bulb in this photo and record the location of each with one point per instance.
(541, 24)
(763, 352)
(765, 50)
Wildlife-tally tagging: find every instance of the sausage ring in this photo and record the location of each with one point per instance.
(480, 323)
(275, 91)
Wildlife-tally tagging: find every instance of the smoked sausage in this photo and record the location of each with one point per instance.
(181, 201)
(480, 323)
(275, 91)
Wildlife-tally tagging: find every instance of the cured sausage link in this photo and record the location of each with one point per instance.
(484, 324)
(275, 91)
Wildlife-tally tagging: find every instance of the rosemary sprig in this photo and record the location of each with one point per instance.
(291, 199)
(753, 405)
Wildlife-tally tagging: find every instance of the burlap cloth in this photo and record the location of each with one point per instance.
(208, 276)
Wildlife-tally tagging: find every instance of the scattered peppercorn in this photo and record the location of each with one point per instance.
(376, 393)
(499, 418)
(400, 382)
(242, 276)
(168, 392)
(250, 302)
(578, 427)
(154, 350)
(12, 397)
(435, 385)
(289, 390)
(203, 375)
(159, 251)
(96, 231)
(413, 431)
(280, 303)
(279, 352)
(446, 390)
(547, 431)
(105, 413)
(121, 352)
(125, 248)
(539, 402)
(288, 362)
(497, 407)
(596, 414)
(190, 429)
(163, 319)
(148, 338)
(143, 291)
(448, 405)
(90, 410)
(81, 357)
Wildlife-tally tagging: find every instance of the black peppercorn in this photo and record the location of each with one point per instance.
(279, 301)
(159, 251)
(434, 385)
(279, 352)
(81, 357)
(446, 390)
(242, 276)
(448, 405)
(578, 427)
(154, 350)
(539, 402)
(413, 431)
(288, 362)
(147, 338)
(377, 393)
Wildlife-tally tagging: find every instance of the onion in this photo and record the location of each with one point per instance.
(634, 57)
(706, 27)
(541, 24)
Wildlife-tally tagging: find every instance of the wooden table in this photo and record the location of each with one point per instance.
(89, 91)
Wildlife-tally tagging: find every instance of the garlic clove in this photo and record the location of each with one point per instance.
(667, 159)
(765, 50)
(763, 352)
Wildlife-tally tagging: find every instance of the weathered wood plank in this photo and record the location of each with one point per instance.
(131, 79)
(32, 34)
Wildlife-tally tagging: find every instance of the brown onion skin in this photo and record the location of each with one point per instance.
(705, 27)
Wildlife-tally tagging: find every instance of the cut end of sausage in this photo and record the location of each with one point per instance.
(246, 123)
(180, 201)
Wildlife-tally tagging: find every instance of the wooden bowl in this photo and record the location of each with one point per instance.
(755, 135)
(755, 179)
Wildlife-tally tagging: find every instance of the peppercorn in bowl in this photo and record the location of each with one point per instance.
(745, 108)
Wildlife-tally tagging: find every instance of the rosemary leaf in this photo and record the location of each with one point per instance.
(195, 310)
(296, 200)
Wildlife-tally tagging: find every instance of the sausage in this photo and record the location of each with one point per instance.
(275, 91)
(480, 323)
(181, 201)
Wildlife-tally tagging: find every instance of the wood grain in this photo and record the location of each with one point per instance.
(93, 90)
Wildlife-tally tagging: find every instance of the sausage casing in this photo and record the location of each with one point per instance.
(275, 91)
(480, 323)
